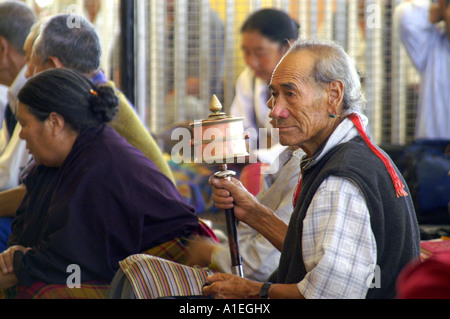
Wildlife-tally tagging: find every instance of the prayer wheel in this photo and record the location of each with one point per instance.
(221, 139)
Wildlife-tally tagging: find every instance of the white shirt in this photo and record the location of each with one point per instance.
(338, 245)
(429, 48)
(13, 153)
(250, 101)
(3, 100)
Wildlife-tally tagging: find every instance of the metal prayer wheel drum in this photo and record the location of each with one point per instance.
(220, 138)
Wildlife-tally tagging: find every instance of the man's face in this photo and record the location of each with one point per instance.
(298, 106)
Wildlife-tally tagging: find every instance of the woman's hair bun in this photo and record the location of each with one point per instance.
(104, 103)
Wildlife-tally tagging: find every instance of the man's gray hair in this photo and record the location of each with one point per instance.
(333, 63)
(73, 40)
(16, 19)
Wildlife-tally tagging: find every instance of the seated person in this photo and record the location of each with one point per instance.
(92, 199)
(52, 43)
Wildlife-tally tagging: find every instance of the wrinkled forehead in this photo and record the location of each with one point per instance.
(295, 67)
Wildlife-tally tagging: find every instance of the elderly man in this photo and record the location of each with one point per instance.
(353, 228)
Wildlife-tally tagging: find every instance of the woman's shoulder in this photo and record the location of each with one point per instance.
(104, 145)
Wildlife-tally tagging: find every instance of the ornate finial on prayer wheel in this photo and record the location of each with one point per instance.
(215, 106)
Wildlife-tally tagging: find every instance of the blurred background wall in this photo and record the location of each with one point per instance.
(170, 56)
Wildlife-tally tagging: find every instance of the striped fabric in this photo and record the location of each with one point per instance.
(172, 251)
(153, 277)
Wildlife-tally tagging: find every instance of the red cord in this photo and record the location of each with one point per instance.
(398, 185)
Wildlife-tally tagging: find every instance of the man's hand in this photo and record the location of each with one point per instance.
(226, 286)
(232, 194)
(228, 194)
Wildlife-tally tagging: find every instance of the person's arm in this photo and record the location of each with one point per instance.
(10, 200)
(341, 253)
(417, 31)
(269, 225)
(232, 194)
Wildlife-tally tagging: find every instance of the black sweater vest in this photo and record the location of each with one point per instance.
(393, 219)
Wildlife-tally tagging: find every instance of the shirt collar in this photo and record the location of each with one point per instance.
(99, 78)
(343, 133)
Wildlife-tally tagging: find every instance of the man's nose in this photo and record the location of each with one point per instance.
(277, 109)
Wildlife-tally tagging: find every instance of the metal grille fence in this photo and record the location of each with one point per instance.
(364, 28)
(187, 50)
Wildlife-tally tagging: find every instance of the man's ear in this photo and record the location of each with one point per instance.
(55, 62)
(56, 123)
(335, 95)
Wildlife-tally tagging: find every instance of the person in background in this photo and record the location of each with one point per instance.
(266, 37)
(350, 226)
(424, 28)
(92, 198)
(425, 31)
(53, 44)
(16, 20)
